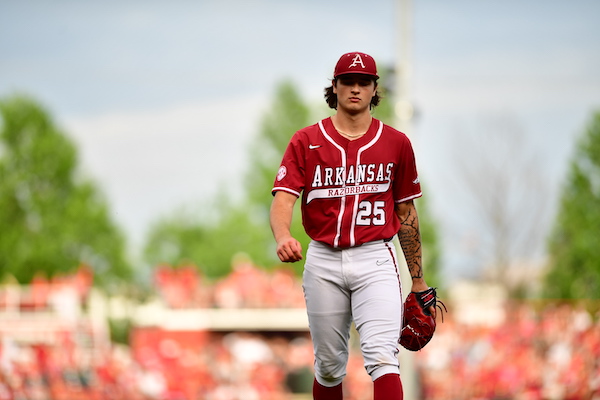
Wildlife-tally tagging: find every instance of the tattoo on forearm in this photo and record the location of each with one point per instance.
(410, 241)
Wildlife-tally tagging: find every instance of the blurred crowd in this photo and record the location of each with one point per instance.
(247, 286)
(537, 352)
(230, 366)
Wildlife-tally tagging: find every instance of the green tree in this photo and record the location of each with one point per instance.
(431, 243)
(288, 113)
(209, 239)
(574, 269)
(52, 220)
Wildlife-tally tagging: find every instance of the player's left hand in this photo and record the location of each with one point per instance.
(418, 325)
(419, 285)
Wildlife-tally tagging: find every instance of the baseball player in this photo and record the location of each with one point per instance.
(357, 179)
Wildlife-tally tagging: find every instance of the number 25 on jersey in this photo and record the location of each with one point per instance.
(371, 213)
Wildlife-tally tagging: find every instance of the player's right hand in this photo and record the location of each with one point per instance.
(289, 250)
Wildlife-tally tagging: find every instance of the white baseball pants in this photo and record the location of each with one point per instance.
(360, 284)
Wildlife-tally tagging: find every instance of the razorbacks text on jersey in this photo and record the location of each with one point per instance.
(349, 187)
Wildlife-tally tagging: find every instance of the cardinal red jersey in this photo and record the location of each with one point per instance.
(349, 187)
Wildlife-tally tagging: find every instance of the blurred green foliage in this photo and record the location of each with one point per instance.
(213, 234)
(574, 245)
(52, 220)
(431, 243)
(208, 237)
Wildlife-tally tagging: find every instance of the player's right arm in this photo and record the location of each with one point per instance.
(282, 208)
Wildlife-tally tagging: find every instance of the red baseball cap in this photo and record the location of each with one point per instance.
(355, 63)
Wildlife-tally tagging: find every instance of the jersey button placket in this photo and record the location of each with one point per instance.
(349, 217)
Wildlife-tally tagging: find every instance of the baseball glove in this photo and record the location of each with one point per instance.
(418, 325)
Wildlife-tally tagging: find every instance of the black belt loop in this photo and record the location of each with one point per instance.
(388, 239)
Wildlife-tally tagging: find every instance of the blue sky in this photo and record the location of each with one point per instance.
(163, 97)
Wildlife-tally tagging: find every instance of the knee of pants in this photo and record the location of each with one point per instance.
(377, 371)
(380, 360)
(332, 370)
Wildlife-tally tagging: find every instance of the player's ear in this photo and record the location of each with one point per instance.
(333, 85)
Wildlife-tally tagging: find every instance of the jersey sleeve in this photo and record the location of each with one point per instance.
(407, 185)
(290, 176)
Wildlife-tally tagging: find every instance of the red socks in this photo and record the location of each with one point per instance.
(388, 387)
(321, 392)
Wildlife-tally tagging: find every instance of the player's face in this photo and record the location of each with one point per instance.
(354, 92)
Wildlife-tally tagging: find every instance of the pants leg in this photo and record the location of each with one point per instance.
(377, 306)
(360, 284)
(329, 312)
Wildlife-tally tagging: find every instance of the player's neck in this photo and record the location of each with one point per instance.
(352, 126)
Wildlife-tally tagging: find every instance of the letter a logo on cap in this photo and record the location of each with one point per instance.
(355, 63)
(357, 60)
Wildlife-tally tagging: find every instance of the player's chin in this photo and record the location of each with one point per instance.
(354, 103)
(354, 108)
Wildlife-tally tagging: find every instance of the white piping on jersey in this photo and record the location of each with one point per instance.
(355, 211)
(336, 240)
(284, 189)
(414, 196)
